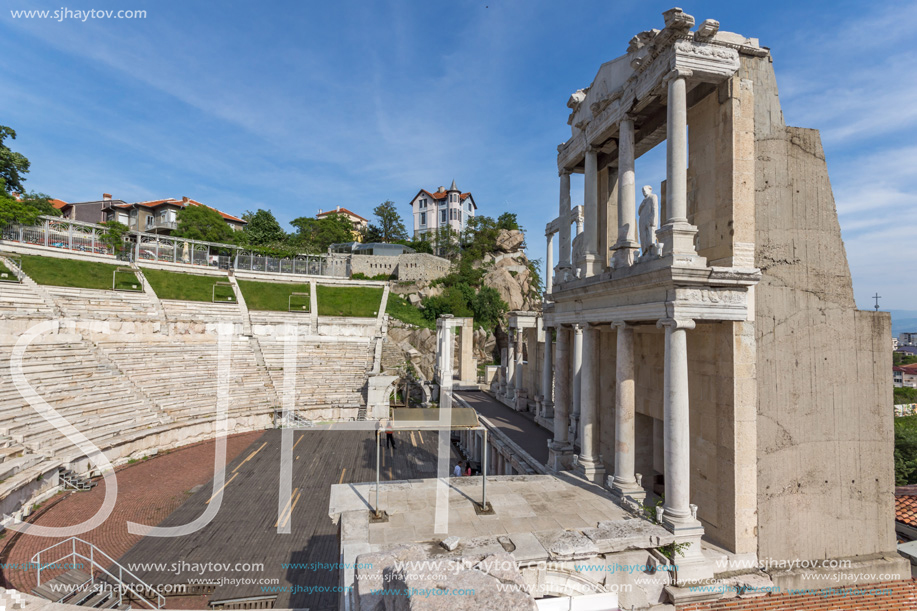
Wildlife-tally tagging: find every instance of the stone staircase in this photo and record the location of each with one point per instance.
(330, 375)
(72, 481)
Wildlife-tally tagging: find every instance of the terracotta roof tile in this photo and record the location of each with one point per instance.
(906, 509)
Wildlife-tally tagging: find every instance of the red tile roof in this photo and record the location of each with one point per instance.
(58, 203)
(906, 508)
(177, 202)
(341, 210)
(912, 368)
(438, 195)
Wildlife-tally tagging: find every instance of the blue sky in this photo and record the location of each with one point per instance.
(296, 106)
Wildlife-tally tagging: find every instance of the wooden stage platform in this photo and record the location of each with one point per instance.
(244, 531)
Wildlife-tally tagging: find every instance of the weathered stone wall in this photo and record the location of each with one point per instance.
(422, 266)
(824, 432)
(410, 266)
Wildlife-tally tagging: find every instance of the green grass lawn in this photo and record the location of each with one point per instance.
(399, 308)
(349, 300)
(274, 296)
(187, 287)
(80, 274)
(10, 276)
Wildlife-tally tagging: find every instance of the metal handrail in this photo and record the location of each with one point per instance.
(36, 561)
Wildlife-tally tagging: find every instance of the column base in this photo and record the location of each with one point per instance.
(592, 470)
(591, 265)
(627, 491)
(560, 456)
(521, 401)
(624, 254)
(678, 240)
(691, 564)
(564, 273)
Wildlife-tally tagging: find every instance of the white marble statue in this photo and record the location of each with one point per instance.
(649, 221)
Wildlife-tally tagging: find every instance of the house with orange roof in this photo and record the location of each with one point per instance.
(159, 215)
(357, 222)
(442, 208)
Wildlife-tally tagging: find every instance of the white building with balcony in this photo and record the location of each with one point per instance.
(442, 208)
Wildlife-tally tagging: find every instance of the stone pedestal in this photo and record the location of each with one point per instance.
(560, 456)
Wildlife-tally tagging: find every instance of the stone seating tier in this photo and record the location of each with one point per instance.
(329, 374)
(21, 300)
(91, 396)
(103, 305)
(201, 311)
(181, 376)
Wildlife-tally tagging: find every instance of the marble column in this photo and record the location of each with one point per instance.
(560, 450)
(549, 265)
(591, 263)
(501, 387)
(547, 375)
(626, 246)
(625, 483)
(590, 463)
(677, 424)
(677, 236)
(511, 365)
(519, 393)
(564, 242)
(576, 386)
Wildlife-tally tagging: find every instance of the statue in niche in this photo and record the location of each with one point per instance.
(648, 221)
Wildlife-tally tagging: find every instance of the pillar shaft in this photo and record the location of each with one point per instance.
(676, 153)
(547, 373)
(549, 265)
(590, 214)
(520, 359)
(511, 365)
(562, 386)
(625, 483)
(676, 421)
(626, 244)
(589, 446)
(563, 242)
(577, 379)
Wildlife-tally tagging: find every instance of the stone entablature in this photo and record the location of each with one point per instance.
(703, 294)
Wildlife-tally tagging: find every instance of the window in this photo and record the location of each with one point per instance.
(469, 207)
(423, 218)
(149, 220)
(442, 216)
(422, 203)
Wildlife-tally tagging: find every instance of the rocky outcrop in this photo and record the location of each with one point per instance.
(510, 240)
(417, 346)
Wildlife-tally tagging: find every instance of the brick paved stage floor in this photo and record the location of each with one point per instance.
(244, 529)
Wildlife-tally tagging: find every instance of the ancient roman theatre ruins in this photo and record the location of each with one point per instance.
(697, 418)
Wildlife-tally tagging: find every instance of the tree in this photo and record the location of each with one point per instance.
(26, 210)
(203, 223)
(113, 236)
(390, 227)
(262, 228)
(507, 220)
(316, 235)
(12, 164)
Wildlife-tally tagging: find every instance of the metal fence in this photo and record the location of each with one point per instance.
(85, 237)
